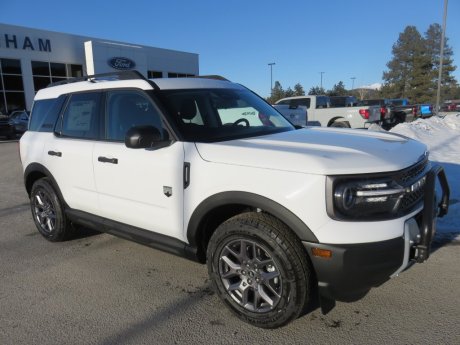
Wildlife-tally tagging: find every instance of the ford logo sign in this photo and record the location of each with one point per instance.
(121, 63)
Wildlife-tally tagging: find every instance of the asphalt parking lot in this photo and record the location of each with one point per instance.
(99, 289)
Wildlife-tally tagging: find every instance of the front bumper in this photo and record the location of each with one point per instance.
(353, 269)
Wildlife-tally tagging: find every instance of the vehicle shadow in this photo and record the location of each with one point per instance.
(160, 316)
(84, 232)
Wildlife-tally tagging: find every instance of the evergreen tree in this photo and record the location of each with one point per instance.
(449, 85)
(338, 90)
(277, 93)
(289, 92)
(316, 90)
(413, 71)
(298, 90)
(409, 70)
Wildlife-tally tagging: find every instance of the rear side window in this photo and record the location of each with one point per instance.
(322, 102)
(81, 117)
(45, 114)
(300, 101)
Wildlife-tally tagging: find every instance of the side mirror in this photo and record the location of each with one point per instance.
(142, 137)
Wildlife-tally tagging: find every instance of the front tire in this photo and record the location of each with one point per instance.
(48, 212)
(260, 269)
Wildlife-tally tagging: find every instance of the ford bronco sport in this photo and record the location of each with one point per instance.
(206, 169)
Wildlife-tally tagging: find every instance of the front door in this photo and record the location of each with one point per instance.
(138, 187)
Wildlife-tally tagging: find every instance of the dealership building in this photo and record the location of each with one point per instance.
(31, 59)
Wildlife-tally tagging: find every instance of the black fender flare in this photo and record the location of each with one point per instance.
(250, 199)
(34, 168)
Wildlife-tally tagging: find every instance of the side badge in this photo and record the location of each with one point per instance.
(167, 191)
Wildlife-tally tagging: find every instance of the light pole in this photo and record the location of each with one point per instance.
(322, 78)
(271, 77)
(352, 83)
(443, 35)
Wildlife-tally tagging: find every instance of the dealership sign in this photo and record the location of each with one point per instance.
(25, 43)
(121, 63)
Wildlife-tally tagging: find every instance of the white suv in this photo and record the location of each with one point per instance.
(206, 169)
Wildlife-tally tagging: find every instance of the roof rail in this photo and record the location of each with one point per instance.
(213, 76)
(119, 75)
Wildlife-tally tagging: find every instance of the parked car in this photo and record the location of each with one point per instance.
(6, 129)
(343, 101)
(451, 106)
(276, 212)
(321, 112)
(19, 120)
(296, 114)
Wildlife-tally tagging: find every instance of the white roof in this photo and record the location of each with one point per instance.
(163, 84)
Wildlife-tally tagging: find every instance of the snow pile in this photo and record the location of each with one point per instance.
(442, 136)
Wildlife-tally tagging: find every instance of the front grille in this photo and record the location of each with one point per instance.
(407, 178)
(411, 199)
(412, 173)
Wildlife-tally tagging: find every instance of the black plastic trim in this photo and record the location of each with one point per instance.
(37, 167)
(250, 200)
(148, 238)
(186, 174)
(354, 269)
(431, 210)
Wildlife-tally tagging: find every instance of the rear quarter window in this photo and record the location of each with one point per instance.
(45, 114)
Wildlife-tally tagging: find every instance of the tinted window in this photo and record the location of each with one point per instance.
(126, 109)
(39, 113)
(81, 117)
(10, 66)
(322, 102)
(300, 101)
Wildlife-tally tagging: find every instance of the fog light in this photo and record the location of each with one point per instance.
(322, 253)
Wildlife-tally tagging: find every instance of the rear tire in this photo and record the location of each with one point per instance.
(259, 269)
(340, 124)
(48, 212)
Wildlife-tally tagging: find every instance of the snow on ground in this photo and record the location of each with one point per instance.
(442, 136)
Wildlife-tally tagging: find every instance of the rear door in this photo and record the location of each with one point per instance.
(68, 152)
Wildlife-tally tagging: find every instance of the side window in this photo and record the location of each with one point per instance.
(126, 109)
(45, 114)
(81, 117)
(301, 101)
(322, 102)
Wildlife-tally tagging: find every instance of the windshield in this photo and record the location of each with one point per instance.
(207, 115)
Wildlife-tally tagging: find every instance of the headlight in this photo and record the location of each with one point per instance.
(367, 199)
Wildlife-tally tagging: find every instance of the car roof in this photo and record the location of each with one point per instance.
(54, 91)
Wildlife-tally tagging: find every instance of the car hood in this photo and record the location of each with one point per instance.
(315, 150)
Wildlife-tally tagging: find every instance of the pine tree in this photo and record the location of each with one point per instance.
(277, 93)
(316, 90)
(289, 92)
(338, 90)
(408, 74)
(433, 48)
(413, 71)
(298, 90)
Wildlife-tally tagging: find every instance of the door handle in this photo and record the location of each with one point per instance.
(55, 153)
(107, 160)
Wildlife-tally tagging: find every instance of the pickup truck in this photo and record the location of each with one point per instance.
(297, 114)
(395, 111)
(321, 113)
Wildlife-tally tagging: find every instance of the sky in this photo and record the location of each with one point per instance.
(237, 39)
